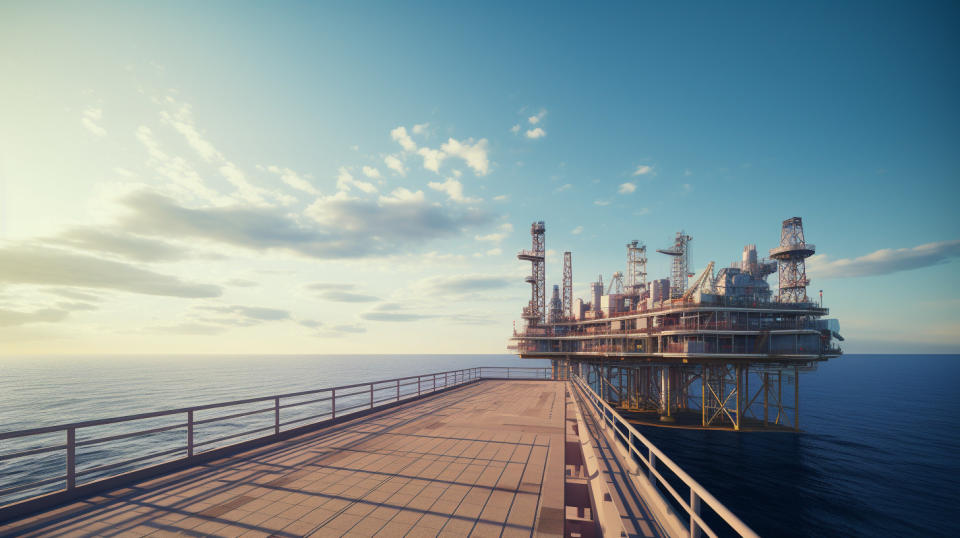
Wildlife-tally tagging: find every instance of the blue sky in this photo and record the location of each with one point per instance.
(216, 177)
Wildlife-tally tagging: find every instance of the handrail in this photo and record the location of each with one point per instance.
(697, 492)
(370, 396)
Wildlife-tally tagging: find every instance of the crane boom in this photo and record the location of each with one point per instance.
(699, 282)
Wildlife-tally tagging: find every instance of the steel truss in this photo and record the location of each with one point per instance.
(733, 396)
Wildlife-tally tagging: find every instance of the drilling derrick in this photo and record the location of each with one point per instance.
(535, 311)
(636, 267)
(790, 256)
(567, 305)
(680, 251)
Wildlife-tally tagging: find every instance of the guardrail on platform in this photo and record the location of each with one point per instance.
(630, 437)
(334, 402)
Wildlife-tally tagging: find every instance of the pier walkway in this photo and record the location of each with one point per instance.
(485, 459)
(473, 456)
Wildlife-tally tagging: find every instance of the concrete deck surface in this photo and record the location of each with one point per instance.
(482, 460)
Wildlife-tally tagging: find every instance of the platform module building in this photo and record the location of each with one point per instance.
(718, 344)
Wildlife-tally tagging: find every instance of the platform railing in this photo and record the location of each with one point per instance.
(278, 410)
(697, 493)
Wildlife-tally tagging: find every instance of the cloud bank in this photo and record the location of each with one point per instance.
(885, 261)
(46, 266)
(333, 227)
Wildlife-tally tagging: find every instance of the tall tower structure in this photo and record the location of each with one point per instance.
(636, 267)
(596, 291)
(680, 271)
(567, 305)
(556, 307)
(535, 311)
(791, 256)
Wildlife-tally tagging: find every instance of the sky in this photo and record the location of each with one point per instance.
(343, 177)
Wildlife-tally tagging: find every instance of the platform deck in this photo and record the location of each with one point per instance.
(485, 459)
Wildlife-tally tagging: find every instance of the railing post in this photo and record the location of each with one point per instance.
(508, 372)
(418, 385)
(333, 404)
(276, 416)
(71, 458)
(445, 380)
(398, 390)
(651, 464)
(694, 509)
(371, 395)
(190, 433)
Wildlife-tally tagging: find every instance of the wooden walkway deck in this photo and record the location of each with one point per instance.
(486, 459)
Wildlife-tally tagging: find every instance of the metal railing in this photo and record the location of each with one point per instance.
(599, 332)
(334, 402)
(630, 437)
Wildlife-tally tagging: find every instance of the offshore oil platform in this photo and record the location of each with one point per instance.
(720, 351)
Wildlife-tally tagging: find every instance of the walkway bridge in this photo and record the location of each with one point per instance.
(479, 452)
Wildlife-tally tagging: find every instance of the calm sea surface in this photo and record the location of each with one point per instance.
(879, 454)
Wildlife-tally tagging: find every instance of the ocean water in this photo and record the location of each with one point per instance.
(879, 454)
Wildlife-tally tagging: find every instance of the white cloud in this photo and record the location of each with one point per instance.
(463, 284)
(238, 179)
(55, 267)
(501, 197)
(453, 188)
(293, 179)
(420, 128)
(182, 121)
(506, 227)
(395, 164)
(627, 188)
(535, 133)
(174, 169)
(643, 170)
(401, 195)
(400, 135)
(432, 158)
(345, 182)
(494, 237)
(687, 172)
(495, 252)
(687, 188)
(336, 227)
(535, 119)
(601, 202)
(577, 231)
(515, 129)
(371, 172)
(474, 154)
(564, 187)
(885, 261)
(90, 118)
